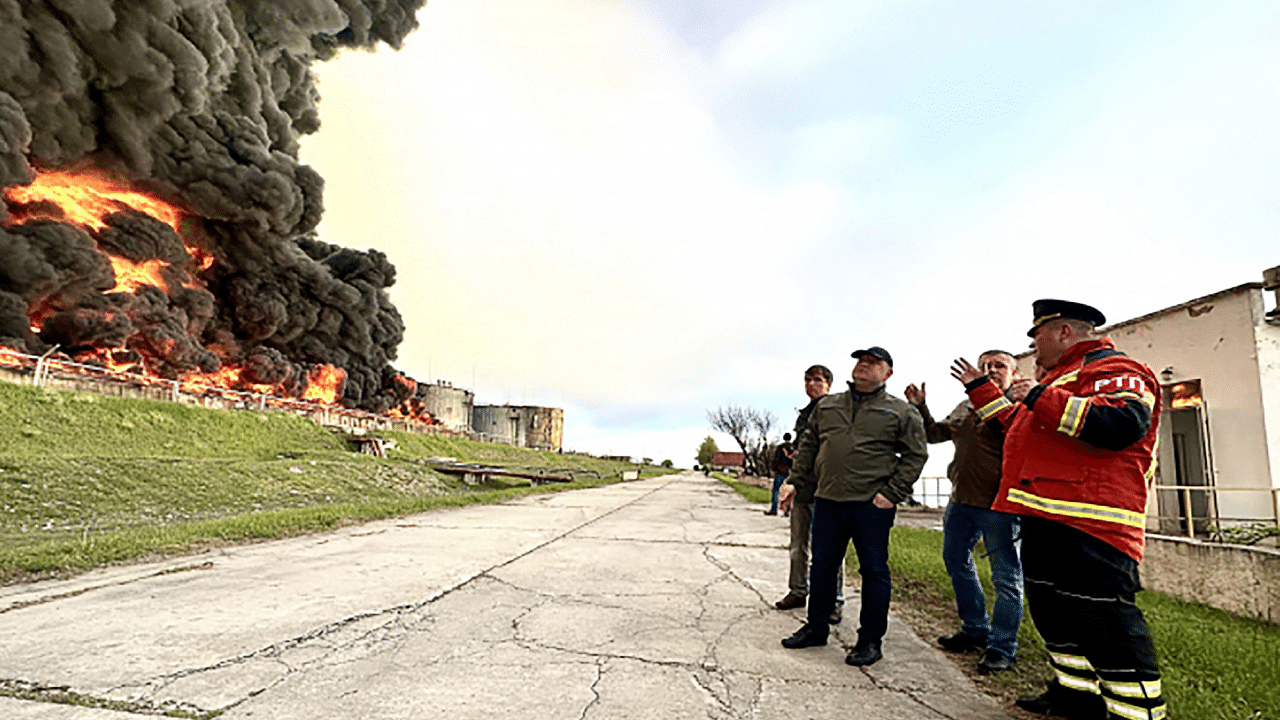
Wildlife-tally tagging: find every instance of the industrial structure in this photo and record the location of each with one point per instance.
(540, 428)
(453, 411)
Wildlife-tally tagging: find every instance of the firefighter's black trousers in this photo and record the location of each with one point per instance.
(1080, 591)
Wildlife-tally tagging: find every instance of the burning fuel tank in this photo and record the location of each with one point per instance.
(155, 215)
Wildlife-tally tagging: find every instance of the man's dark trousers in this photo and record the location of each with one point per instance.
(835, 524)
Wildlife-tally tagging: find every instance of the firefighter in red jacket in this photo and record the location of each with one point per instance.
(1079, 457)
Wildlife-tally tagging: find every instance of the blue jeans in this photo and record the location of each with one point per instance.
(962, 527)
(778, 479)
(835, 524)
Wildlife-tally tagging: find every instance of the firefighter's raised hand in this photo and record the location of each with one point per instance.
(965, 372)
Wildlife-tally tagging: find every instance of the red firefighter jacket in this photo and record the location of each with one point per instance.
(1080, 449)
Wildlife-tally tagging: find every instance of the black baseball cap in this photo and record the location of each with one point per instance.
(1045, 310)
(876, 352)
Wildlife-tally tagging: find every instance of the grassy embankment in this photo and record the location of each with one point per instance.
(1215, 665)
(87, 480)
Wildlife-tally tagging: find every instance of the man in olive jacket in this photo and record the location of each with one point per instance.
(866, 448)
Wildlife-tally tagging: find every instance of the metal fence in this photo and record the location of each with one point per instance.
(42, 368)
(1188, 522)
(932, 491)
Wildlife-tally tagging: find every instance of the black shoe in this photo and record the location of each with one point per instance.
(807, 636)
(864, 653)
(1059, 702)
(790, 601)
(1038, 704)
(961, 643)
(993, 662)
(838, 614)
(770, 512)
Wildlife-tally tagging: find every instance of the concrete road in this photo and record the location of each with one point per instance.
(649, 599)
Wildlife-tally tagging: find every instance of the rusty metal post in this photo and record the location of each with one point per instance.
(1211, 510)
(1186, 504)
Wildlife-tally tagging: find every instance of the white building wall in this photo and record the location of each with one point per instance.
(1268, 350)
(1214, 340)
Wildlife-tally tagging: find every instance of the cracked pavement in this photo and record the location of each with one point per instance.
(648, 599)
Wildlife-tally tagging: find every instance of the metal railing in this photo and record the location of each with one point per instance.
(1188, 518)
(932, 491)
(43, 365)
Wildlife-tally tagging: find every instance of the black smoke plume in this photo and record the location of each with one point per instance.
(201, 104)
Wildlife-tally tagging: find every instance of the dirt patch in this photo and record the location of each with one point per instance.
(766, 483)
(931, 615)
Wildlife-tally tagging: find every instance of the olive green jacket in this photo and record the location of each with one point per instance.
(857, 445)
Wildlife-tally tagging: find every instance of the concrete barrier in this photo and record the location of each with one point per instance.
(1240, 579)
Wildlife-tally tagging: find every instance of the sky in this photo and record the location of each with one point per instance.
(640, 210)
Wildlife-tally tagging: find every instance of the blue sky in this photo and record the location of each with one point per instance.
(638, 211)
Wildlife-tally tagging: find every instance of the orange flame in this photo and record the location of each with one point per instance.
(406, 382)
(130, 276)
(87, 198)
(11, 358)
(324, 384)
(1185, 394)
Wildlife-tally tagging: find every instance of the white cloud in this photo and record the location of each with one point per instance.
(585, 210)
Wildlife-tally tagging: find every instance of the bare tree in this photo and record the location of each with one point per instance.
(763, 422)
(749, 428)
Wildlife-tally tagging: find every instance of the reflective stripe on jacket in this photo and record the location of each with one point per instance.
(1080, 449)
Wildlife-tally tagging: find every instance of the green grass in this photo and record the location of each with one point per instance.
(1214, 665)
(88, 480)
(746, 490)
(50, 423)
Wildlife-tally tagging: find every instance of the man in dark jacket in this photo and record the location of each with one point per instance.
(817, 383)
(866, 448)
(975, 476)
(781, 467)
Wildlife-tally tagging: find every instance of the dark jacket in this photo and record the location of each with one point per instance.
(859, 444)
(975, 469)
(782, 459)
(805, 484)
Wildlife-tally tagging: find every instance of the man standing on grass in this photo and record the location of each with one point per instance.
(866, 448)
(817, 383)
(1079, 457)
(975, 476)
